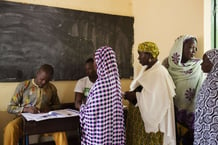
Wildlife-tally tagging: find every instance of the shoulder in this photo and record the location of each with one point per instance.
(24, 84)
(83, 80)
(160, 71)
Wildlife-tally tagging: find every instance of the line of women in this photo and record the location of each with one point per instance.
(152, 96)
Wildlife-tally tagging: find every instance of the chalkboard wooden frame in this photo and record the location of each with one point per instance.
(31, 35)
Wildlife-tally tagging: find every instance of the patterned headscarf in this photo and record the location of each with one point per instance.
(101, 118)
(177, 49)
(106, 63)
(213, 57)
(206, 108)
(149, 47)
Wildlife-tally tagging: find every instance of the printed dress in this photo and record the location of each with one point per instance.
(206, 113)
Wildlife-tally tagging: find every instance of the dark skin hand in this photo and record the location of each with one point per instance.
(78, 100)
(131, 97)
(31, 109)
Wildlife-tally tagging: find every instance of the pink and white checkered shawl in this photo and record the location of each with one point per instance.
(101, 118)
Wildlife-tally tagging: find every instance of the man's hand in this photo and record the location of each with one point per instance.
(31, 109)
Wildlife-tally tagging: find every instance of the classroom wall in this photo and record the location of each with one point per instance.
(162, 21)
(155, 20)
(121, 7)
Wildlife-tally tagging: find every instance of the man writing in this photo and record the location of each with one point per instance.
(33, 96)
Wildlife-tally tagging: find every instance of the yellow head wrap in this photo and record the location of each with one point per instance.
(149, 47)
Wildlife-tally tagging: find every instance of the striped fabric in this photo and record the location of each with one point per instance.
(101, 118)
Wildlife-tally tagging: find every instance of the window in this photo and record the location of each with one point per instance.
(214, 24)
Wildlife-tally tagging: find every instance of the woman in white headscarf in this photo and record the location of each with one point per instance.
(187, 75)
(206, 113)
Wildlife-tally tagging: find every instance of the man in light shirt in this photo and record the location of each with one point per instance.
(84, 84)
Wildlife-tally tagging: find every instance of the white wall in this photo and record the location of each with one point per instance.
(162, 21)
(116, 7)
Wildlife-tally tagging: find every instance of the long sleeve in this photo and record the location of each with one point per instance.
(15, 106)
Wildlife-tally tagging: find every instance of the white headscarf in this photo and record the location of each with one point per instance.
(187, 76)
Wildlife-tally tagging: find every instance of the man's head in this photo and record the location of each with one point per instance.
(44, 75)
(89, 68)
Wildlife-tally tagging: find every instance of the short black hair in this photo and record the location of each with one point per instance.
(47, 68)
(90, 60)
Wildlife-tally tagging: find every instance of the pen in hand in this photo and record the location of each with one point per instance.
(29, 108)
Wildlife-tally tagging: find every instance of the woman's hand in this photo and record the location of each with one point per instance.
(130, 96)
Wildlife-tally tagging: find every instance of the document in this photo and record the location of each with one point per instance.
(63, 113)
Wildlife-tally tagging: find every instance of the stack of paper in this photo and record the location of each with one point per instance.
(51, 115)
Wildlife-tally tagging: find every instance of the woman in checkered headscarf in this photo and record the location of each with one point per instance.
(101, 118)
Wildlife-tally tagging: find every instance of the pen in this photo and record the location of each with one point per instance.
(31, 105)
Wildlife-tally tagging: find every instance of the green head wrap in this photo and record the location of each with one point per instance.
(149, 47)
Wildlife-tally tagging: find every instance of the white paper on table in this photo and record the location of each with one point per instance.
(50, 115)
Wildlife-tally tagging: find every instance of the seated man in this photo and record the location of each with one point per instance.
(33, 96)
(84, 84)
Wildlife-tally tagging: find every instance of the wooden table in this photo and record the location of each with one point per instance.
(50, 125)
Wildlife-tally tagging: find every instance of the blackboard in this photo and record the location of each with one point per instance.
(31, 35)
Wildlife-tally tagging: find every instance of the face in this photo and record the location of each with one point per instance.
(206, 65)
(42, 78)
(189, 49)
(144, 57)
(90, 70)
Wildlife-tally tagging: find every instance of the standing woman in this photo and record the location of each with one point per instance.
(187, 75)
(101, 118)
(150, 119)
(206, 122)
